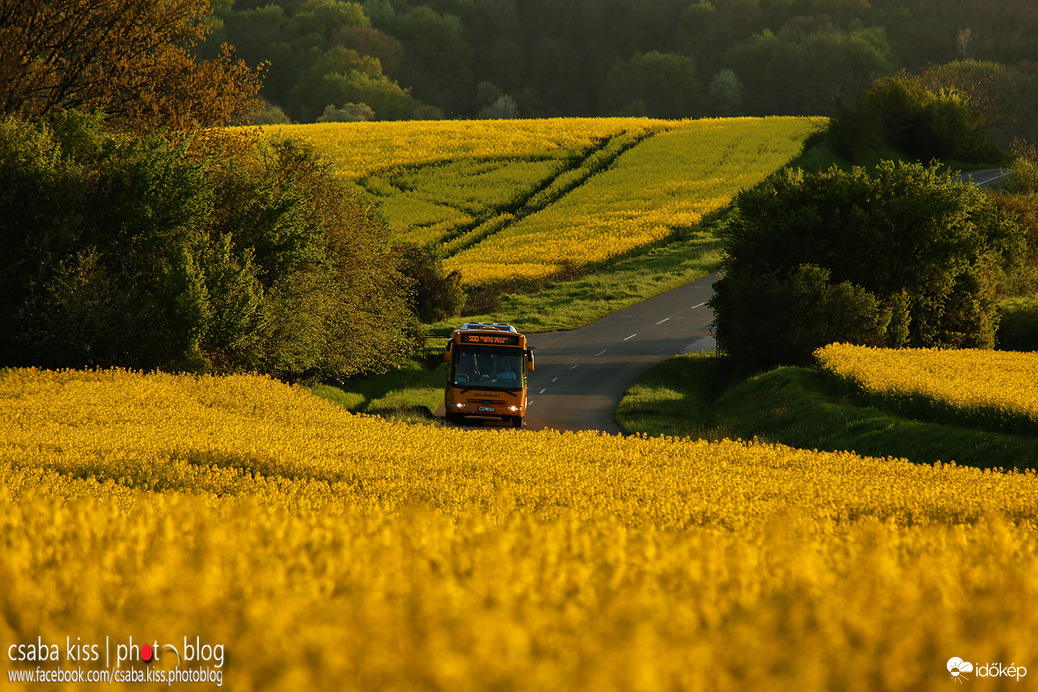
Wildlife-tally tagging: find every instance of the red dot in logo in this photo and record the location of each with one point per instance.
(146, 652)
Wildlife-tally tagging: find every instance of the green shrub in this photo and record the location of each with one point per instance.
(1021, 270)
(901, 112)
(784, 318)
(902, 257)
(436, 294)
(1024, 177)
(201, 254)
(1018, 325)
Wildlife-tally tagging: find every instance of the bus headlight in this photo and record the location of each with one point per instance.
(513, 408)
(458, 405)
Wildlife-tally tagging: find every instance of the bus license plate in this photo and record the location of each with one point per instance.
(486, 409)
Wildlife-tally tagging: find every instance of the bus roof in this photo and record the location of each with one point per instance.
(487, 326)
(488, 334)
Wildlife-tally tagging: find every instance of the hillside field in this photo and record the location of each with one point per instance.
(321, 550)
(973, 387)
(511, 200)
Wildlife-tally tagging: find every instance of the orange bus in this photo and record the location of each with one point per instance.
(487, 377)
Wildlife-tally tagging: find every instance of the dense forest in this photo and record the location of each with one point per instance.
(663, 58)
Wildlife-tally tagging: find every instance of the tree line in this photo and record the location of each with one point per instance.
(664, 58)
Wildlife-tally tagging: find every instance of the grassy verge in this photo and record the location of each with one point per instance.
(696, 395)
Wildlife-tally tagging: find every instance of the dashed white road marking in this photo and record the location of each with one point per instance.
(663, 320)
(631, 336)
(699, 306)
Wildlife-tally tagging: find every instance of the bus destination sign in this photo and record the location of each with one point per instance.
(491, 339)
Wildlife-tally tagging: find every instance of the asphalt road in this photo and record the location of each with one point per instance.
(582, 374)
(988, 177)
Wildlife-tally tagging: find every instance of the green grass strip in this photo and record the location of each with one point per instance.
(695, 395)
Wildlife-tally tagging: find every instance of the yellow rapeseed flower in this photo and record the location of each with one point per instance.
(325, 550)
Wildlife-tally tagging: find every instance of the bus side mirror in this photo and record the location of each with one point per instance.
(529, 360)
(447, 352)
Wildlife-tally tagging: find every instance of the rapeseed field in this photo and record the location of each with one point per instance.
(361, 149)
(324, 550)
(988, 388)
(666, 183)
(532, 199)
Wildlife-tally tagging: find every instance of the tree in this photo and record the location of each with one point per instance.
(436, 294)
(341, 76)
(129, 58)
(557, 67)
(324, 19)
(189, 253)
(901, 257)
(349, 113)
(665, 82)
(371, 42)
(260, 36)
(437, 65)
(800, 71)
(726, 93)
(707, 30)
(902, 113)
(988, 87)
(358, 316)
(503, 108)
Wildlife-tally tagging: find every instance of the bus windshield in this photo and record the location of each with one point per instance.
(488, 367)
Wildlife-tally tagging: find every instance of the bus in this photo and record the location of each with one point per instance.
(487, 377)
